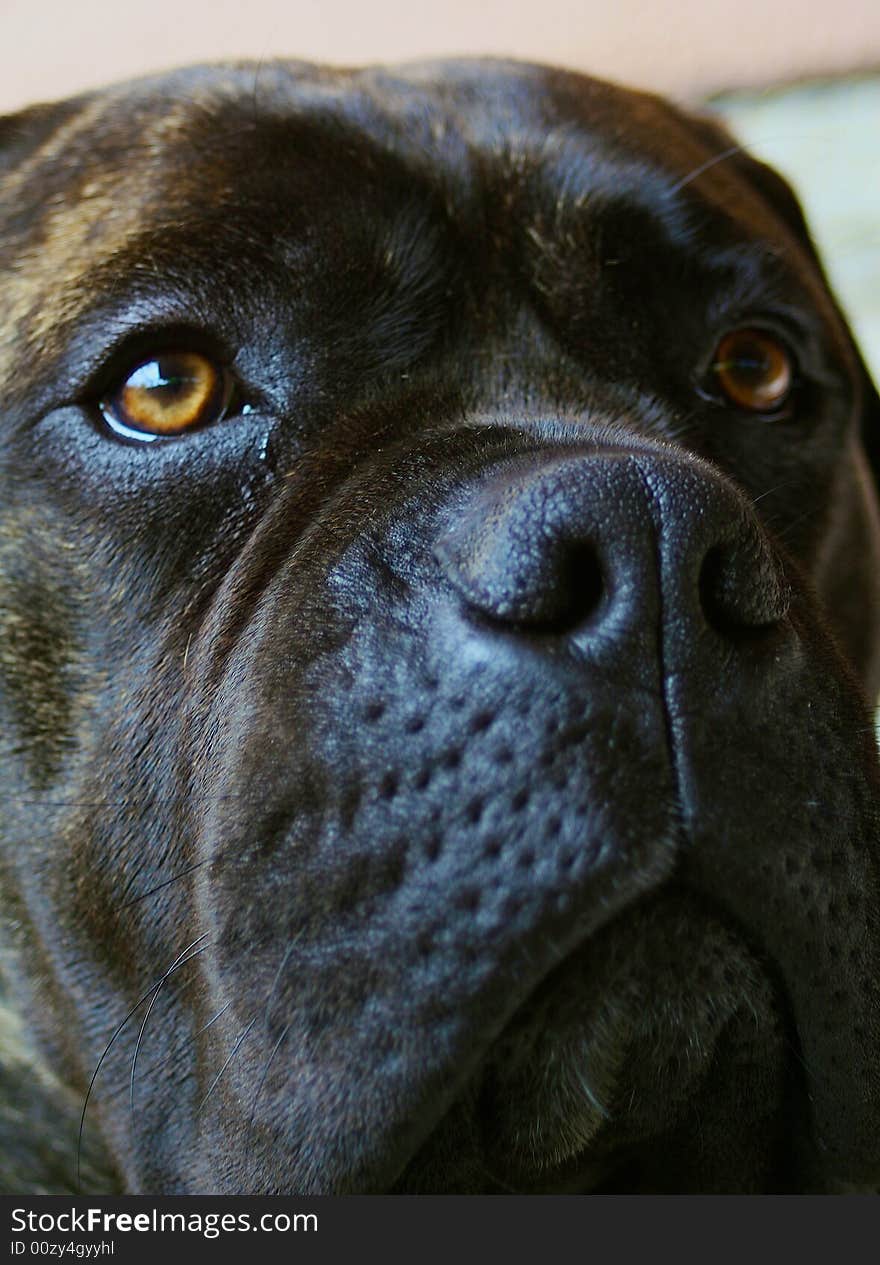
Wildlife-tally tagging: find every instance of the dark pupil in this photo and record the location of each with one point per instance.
(752, 364)
(168, 382)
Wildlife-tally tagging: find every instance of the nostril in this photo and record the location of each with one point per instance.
(714, 595)
(562, 592)
(538, 577)
(580, 584)
(740, 589)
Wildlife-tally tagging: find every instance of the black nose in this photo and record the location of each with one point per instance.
(589, 542)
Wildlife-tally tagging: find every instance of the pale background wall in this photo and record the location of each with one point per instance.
(826, 139)
(51, 48)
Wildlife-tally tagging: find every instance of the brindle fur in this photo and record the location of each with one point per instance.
(471, 903)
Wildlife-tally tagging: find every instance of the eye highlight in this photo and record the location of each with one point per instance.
(169, 394)
(754, 370)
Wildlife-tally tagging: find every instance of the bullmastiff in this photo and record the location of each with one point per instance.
(439, 621)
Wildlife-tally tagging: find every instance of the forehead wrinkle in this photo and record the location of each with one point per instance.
(80, 234)
(118, 205)
(110, 181)
(139, 276)
(57, 265)
(587, 180)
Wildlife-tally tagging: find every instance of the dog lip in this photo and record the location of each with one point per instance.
(553, 1098)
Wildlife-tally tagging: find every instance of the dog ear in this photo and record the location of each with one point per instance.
(778, 193)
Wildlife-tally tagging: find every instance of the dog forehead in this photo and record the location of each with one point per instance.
(236, 161)
(176, 132)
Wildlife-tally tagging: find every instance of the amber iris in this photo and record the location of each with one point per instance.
(754, 370)
(171, 393)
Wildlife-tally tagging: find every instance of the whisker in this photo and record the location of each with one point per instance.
(108, 1047)
(180, 1047)
(235, 1049)
(179, 961)
(786, 483)
(786, 532)
(269, 1061)
(165, 883)
(275, 982)
(710, 162)
(243, 1036)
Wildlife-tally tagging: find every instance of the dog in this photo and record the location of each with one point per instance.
(440, 606)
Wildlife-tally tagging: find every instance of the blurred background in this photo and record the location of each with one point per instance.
(682, 47)
(799, 80)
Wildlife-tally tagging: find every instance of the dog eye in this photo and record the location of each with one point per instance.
(168, 394)
(754, 370)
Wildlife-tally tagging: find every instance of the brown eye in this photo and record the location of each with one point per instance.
(171, 393)
(754, 370)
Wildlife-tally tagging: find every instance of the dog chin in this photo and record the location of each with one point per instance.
(614, 1066)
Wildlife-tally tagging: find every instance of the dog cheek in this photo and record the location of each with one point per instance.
(45, 681)
(848, 571)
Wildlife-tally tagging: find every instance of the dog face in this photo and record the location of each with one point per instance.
(439, 601)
